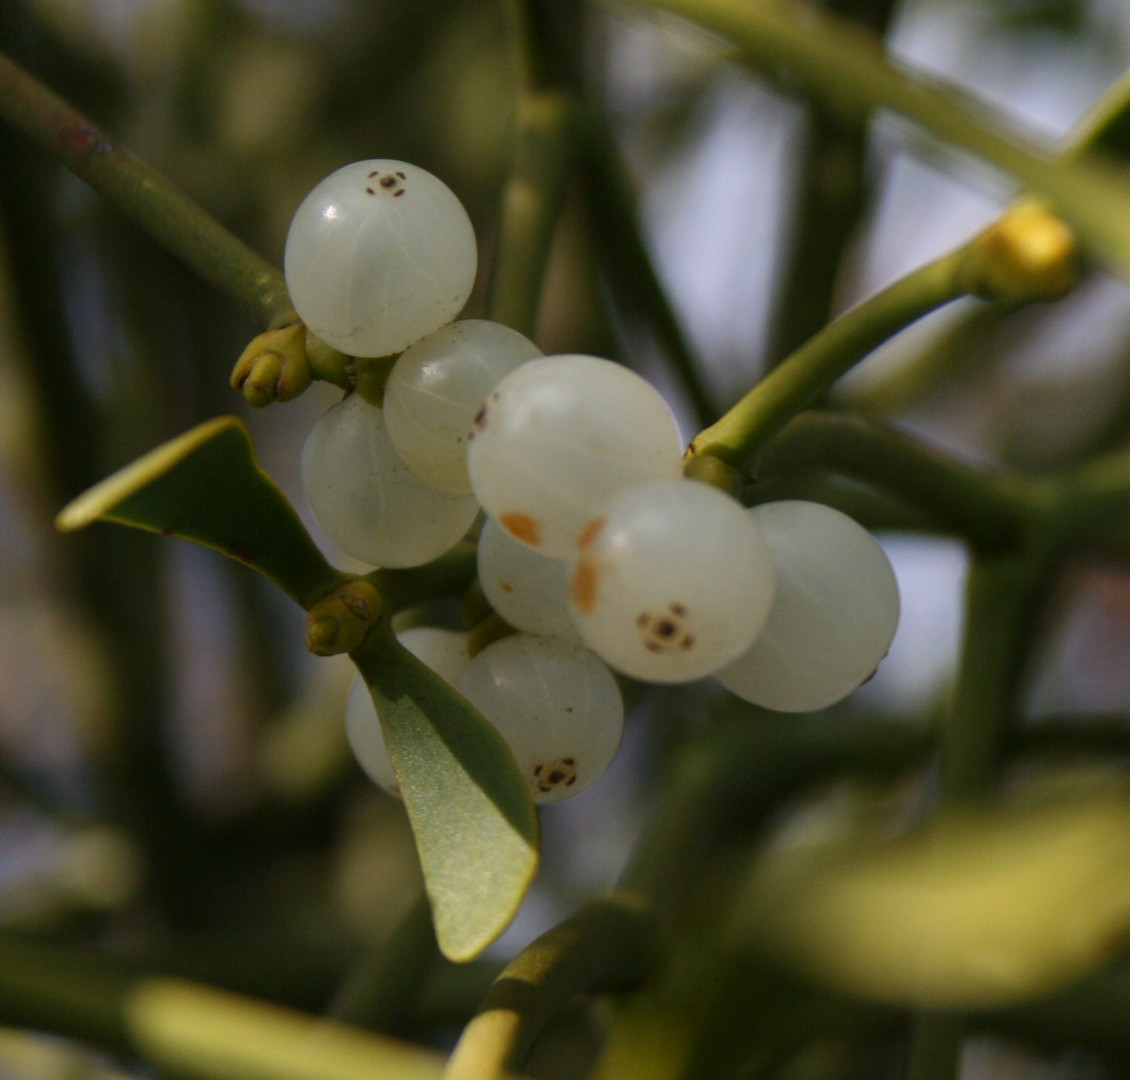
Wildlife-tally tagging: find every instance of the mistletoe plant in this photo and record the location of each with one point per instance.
(609, 546)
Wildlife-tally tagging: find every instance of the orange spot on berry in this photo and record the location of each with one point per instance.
(583, 587)
(523, 527)
(590, 532)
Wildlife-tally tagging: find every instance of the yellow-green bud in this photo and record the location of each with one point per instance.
(274, 366)
(1026, 254)
(339, 622)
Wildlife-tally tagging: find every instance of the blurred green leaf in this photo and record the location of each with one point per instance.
(206, 486)
(981, 908)
(475, 826)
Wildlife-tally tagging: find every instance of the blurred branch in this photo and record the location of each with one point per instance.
(544, 144)
(1004, 597)
(987, 508)
(143, 195)
(627, 263)
(1105, 129)
(608, 944)
(841, 64)
(829, 196)
(185, 1028)
(382, 990)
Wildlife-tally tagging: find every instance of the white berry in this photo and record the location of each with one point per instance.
(556, 705)
(835, 614)
(435, 389)
(379, 254)
(672, 581)
(558, 437)
(368, 501)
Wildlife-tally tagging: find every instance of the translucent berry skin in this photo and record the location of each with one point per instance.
(445, 652)
(834, 617)
(438, 385)
(558, 437)
(529, 590)
(379, 254)
(556, 705)
(673, 581)
(367, 500)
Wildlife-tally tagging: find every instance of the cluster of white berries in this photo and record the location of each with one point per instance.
(596, 548)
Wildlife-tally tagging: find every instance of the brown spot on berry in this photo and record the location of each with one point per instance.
(590, 532)
(402, 176)
(372, 174)
(582, 589)
(397, 194)
(387, 181)
(369, 191)
(667, 631)
(560, 773)
(506, 587)
(522, 527)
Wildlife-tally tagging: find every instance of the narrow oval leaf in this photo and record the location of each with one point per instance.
(206, 486)
(474, 822)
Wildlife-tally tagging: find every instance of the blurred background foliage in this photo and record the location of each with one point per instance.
(175, 786)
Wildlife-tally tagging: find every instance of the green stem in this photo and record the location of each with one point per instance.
(829, 196)
(531, 207)
(539, 179)
(609, 943)
(611, 204)
(839, 63)
(144, 195)
(986, 508)
(747, 428)
(1105, 128)
(382, 990)
(1003, 597)
(448, 575)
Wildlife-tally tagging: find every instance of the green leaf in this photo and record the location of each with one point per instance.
(475, 826)
(206, 486)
